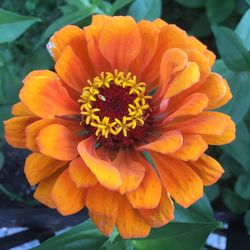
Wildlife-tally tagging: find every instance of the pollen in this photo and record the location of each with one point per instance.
(114, 105)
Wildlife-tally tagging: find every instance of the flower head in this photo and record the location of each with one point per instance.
(122, 89)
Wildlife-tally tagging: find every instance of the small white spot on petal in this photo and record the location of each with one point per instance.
(49, 47)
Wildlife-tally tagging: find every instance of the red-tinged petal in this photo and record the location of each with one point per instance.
(179, 179)
(162, 214)
(68, 198)
(208, 169)
(129, 222)
(15, 130)
(104, 171)
(226, 137)
(71, 70)
(169, 142)
(148, 194)
(39, 167)
(120, 34)
(44, 189)
(192, 148)
(191, 105)
(149, 38)
(105, 224)
(183, 80)
(58, 142)
(131, 171)
(46, 97)
(103, 201)
(19, 109)
(206, 123)
(81, 174)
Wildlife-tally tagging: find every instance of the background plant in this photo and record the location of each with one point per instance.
(223, 25)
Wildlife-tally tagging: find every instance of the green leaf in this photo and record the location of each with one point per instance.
(233, 201)
(1, 160)
(247, 220)
(5, 111)
(231, 49)
(240, 148)
(201, 27)
(191, 3)
(242, 186)
(212, 192)
(218, 11)
(13, 25)
(248, 1)
(83, 9)
(119, 4)
(239, 105)
(243, 29)
(176, 236)
(201, 211)
(145, 9)
(231, 166)
(83, 236)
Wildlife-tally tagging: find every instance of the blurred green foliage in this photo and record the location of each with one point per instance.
(223, 25)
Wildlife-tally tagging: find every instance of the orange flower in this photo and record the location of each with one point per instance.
(122, 89)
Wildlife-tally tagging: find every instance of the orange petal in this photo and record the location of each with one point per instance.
(194, 55)
(105, 173)
(132, 172)
(103, 201)
(227, 97)
(148, 194)
(159, 23)
(120, 34)
(129, 222)
(169, 142)
(58, 142)
(81, 174)
(92, 33)
(15, 130)
(179, 179)
(226, 137)
(44, 189)
(19, 109)
(206, 123)
(191, 105)
(192, 148)
(105, 224)
(214, 88)
(162, 214)
(173, 60)
(71, 70)
(39, 167)
(67, 197)
(211, 56)
(46, 97)
(208, 169)
(183, 80)
(149, 38)
(32, 132)
(72, 36)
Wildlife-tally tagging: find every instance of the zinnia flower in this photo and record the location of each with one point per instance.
(121, 89)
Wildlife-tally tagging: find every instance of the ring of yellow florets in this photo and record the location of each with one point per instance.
(136, 112)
